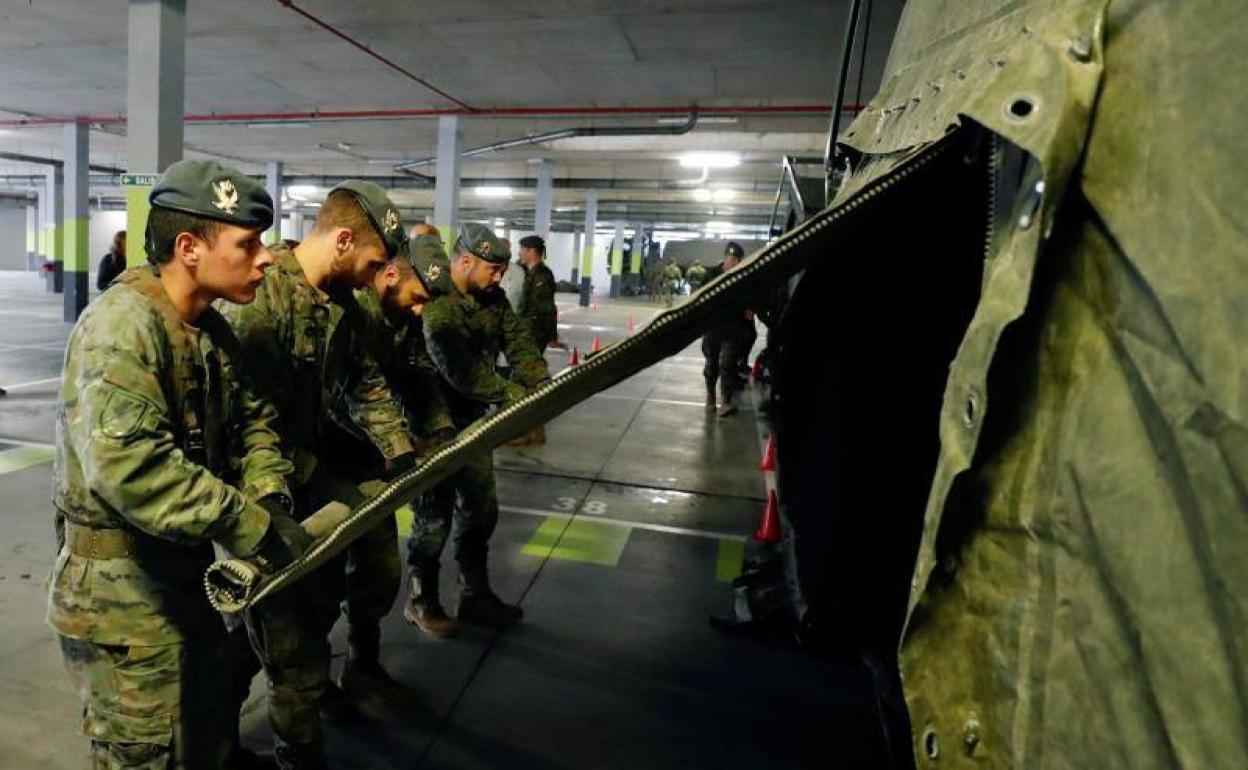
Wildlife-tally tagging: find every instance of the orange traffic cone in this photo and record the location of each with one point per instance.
(769, 528)
(631, 327)
(596, 345)
(768, 463)
(576, 357)
(756, 371)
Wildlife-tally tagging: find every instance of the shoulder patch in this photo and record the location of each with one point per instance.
(122, 414)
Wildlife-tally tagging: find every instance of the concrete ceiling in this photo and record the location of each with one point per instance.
(67, 58)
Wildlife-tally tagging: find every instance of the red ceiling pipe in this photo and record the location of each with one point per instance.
(496, 112)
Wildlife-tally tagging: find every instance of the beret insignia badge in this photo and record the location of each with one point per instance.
(226, 196)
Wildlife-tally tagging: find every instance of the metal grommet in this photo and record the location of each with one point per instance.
(1080, 48)
(931, 745)
(971, 735)
(1020, 108)
(970, 409)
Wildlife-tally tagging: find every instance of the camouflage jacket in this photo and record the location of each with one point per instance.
(306, 350)
(154, 426)
(537, 302)
(399, 350)
(464, 335)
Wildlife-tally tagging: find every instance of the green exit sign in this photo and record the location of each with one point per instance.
(139, 180)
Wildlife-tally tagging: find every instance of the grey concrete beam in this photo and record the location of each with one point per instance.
(446, 191)
(76, 233)
(587, 249)
(273, 183)
(545, 188)
(155, 102)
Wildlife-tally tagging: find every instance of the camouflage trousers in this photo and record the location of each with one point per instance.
(289, 632)
(162, 706)
(724, 351)
(469, 501)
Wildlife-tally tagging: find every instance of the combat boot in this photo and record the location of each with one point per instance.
(362, 675)
(710, 399)
(729, 408)
(423, 610)
(479, 605)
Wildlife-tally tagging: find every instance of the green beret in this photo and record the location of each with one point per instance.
(429, 260)
(381, 212)
(480, 241)
(206, 188)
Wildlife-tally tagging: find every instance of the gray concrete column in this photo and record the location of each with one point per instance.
(273, 183)
(53, 229)
(636, 260)
(446, 189)
(42, 217)
(545, 187)
(76, 238)
(587, 248)
(32, 235)
(155, 101)
(296, 225)
(617, 258)
(576, 257)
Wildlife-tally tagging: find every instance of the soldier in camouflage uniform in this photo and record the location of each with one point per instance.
(537, 302)
(304, 337)
(727, 345)
(467, 324)
(673, 277)
(163, 449)
(697, 275)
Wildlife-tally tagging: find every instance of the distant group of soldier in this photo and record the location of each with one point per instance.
(222, 393)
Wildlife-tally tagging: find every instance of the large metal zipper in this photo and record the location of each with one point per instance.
(235, 585)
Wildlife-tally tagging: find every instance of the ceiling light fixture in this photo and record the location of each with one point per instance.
(303, 191)
(277, 124)
(702, 195)
(492, 192)
(710, 160)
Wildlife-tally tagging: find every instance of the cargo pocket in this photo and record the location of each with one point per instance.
(124, 740)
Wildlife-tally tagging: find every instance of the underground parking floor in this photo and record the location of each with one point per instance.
(619, 538)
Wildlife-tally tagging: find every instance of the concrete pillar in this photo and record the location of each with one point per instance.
(53, 229)
(77, 229)
(446, 188)
(155, 90)
(295, 227)
(636, 256)
(545, 188)
(587, 249)
(273, 183)
(32, 235)
(41, 222)
(617, 258)
(576, 257)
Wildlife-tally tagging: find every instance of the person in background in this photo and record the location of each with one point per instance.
(113, 263)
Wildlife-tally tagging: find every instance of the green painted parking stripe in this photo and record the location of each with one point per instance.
(729, 559)
(586, 541)
(23, 457)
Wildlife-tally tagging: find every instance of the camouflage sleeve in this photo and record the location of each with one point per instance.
(423, 389)
(521, 351)
(265, 470)
(130, 459)
(376, 411)
(543, 300)
(462, 367)
(264, 340)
